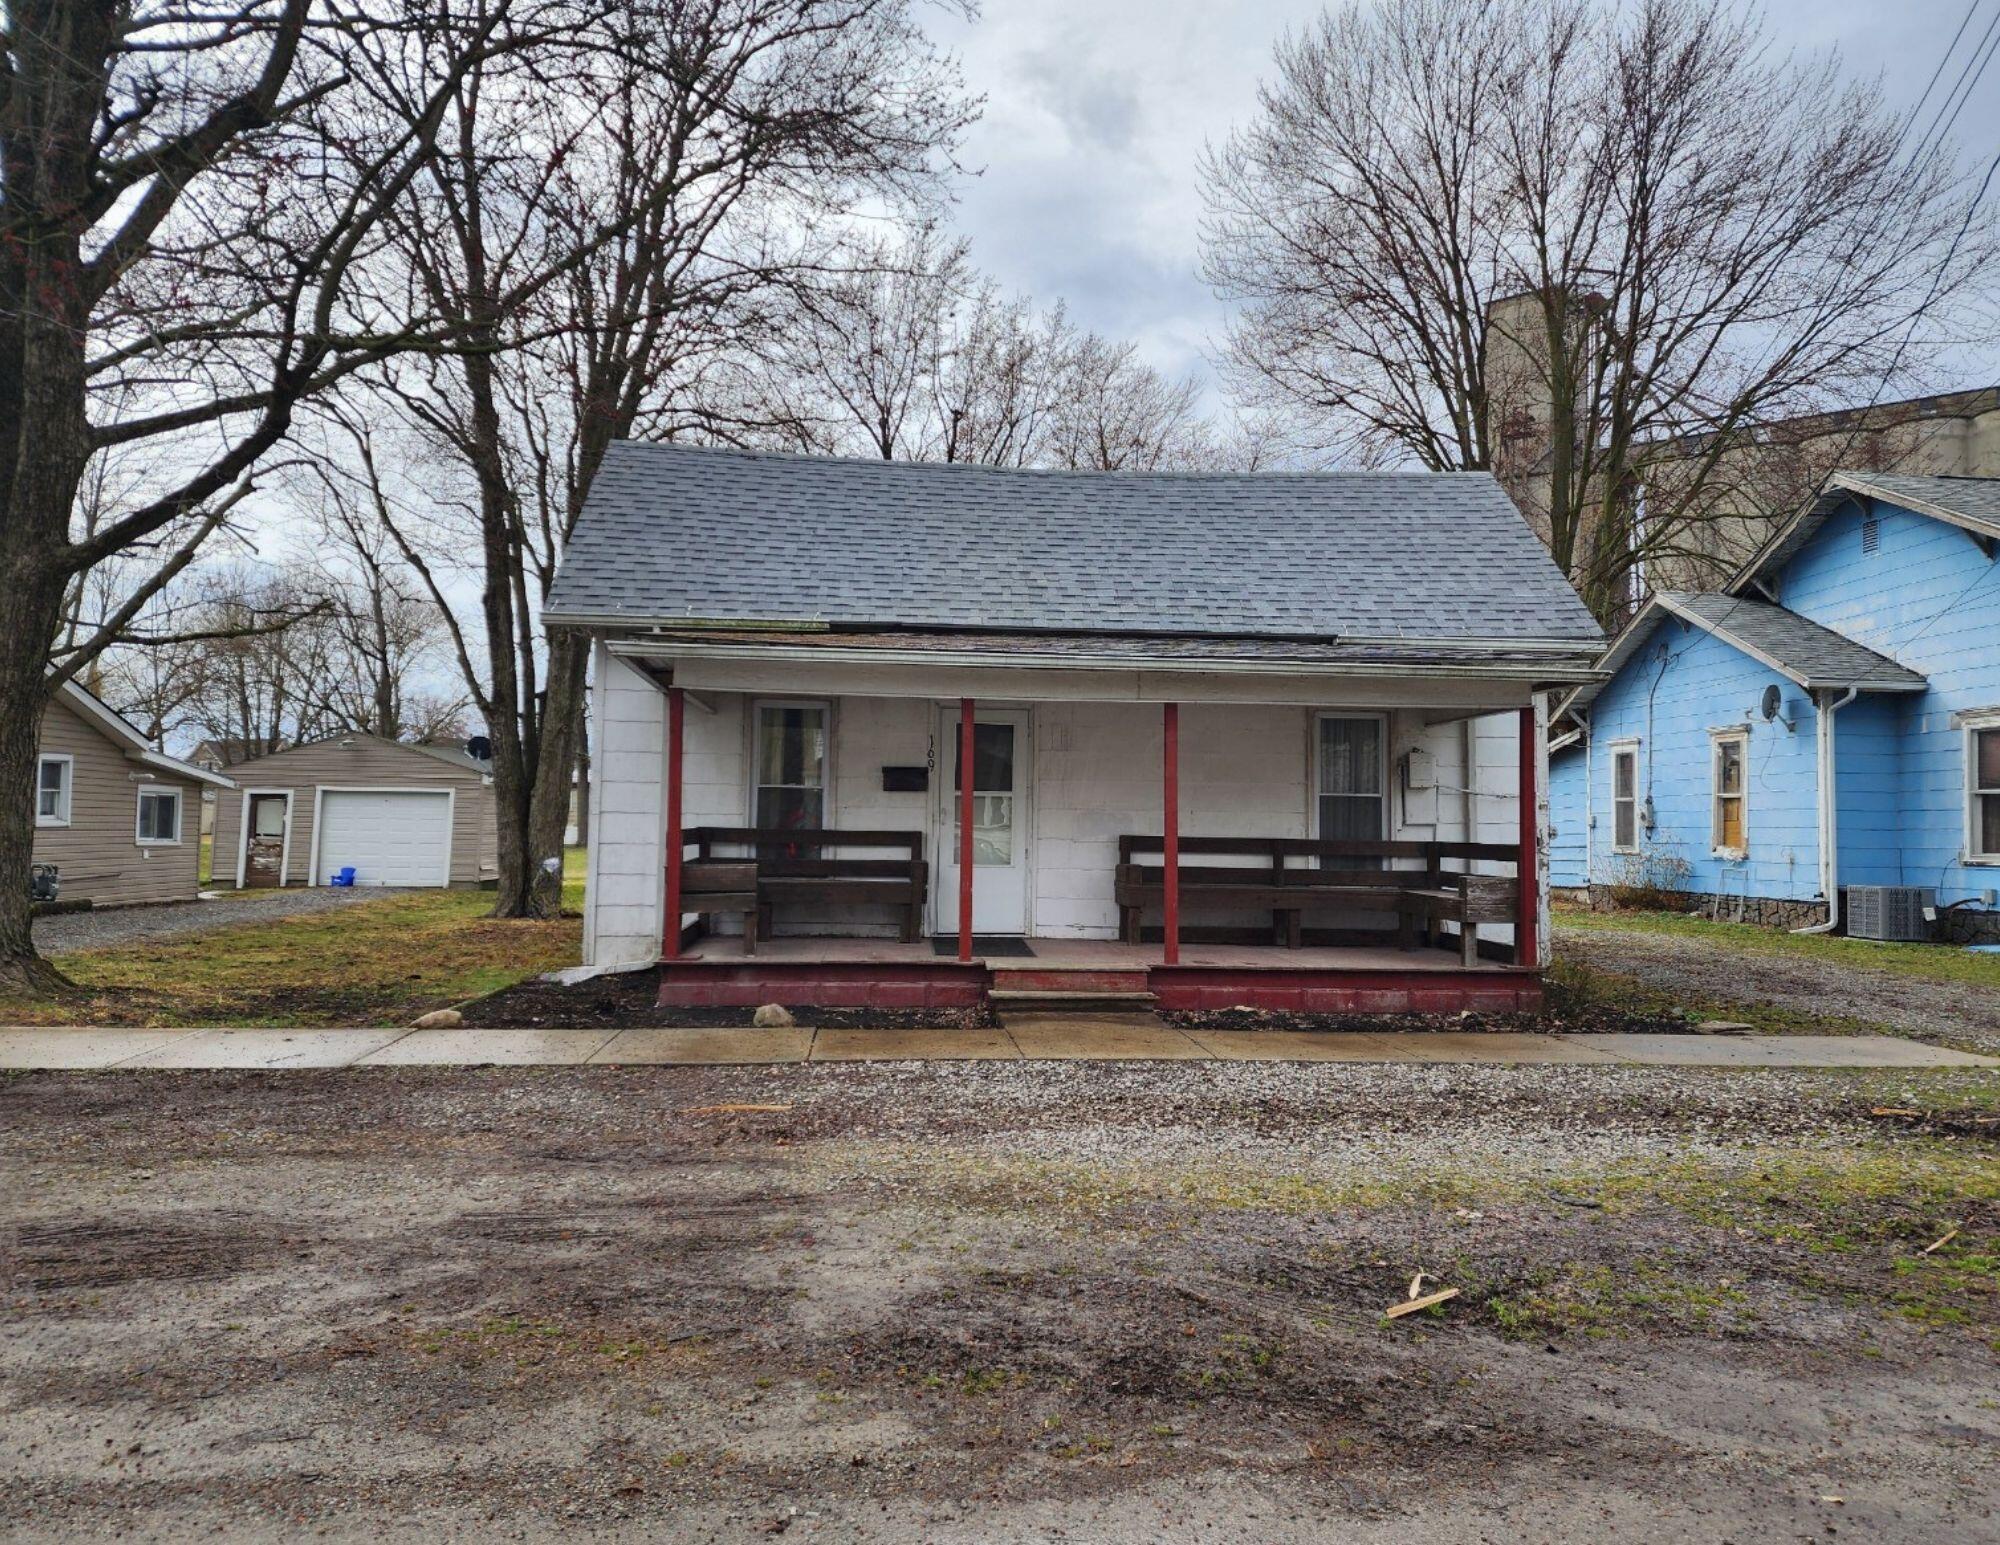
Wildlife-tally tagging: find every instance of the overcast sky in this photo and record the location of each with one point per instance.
(1096, 113)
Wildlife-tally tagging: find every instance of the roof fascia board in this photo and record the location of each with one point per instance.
(637, 627)
(973, 660)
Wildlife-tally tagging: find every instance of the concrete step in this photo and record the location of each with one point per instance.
(1009, 1004)
(1041, 978)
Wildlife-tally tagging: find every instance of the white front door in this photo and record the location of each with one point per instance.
(999, 822)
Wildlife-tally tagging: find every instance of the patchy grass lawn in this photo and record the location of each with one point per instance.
(373, 963)
(1581, 992)
(1932, 962)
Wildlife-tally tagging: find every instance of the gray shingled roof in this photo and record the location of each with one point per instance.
(1808, 653)
(675, 533)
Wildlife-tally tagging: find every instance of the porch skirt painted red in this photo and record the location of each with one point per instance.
(947, 984)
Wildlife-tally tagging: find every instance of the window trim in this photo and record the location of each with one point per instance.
(1739, 736)
(1628, 746)
(1313, 792)
(138, 821)
(755, 728)
(1970, 727)
(47, 822)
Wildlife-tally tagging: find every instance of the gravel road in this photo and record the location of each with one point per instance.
(68, 932)
(992, 1302)
(1959, 1014)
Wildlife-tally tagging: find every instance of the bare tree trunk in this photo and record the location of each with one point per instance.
(562, 726)
(583, 786)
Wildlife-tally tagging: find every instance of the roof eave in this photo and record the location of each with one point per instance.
(1553, 670)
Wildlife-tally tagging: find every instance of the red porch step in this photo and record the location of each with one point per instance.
(1052, 989)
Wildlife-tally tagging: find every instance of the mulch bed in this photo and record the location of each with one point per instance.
(1594, 1020)
(626, 1001)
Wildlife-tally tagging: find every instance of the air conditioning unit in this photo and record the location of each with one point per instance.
(1894, 912)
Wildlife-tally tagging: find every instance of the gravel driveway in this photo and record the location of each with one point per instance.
(69, 932)
(1963, 1014)
(975, 1303)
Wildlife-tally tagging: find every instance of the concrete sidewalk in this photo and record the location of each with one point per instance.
(1135, 1037)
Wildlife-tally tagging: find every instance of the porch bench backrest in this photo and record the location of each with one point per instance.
(799, 864)
(1299, 861)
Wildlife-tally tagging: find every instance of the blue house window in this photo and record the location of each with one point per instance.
(1625, 798)
(1983, 785)
(1731, 830)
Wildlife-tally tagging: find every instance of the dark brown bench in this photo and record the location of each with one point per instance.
(719, 886)
(1289, 876)
(804, 865)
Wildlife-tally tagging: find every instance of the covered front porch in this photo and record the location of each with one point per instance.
(1286, 842)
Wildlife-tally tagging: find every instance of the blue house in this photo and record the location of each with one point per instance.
(1830, 720)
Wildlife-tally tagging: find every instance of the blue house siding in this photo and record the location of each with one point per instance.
(1568, 837)
(1668, 698)
(1929, 598)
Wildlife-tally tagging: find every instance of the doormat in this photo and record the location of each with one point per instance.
(1002, 945)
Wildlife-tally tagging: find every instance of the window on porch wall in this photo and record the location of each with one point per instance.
(791, 766)
(1352, 798)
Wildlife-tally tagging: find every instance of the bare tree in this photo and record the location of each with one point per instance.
(591, 226)
(1554, 238)
(911, 355)
(182, 264)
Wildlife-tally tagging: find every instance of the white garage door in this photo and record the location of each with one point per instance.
(390, 837)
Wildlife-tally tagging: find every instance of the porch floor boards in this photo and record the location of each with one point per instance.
(1091, 955)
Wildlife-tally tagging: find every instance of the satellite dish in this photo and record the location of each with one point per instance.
(1773, 700)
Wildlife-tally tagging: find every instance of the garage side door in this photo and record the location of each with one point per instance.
(394, 837)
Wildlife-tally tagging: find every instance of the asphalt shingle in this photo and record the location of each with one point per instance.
(1812, 655)
(676, 533)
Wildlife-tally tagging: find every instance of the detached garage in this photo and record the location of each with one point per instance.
(395, 814)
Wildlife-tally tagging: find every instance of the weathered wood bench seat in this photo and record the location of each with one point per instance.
(1290, 876)
(803, 865)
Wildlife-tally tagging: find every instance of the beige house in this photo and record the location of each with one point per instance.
(394, 813)
(117, 820)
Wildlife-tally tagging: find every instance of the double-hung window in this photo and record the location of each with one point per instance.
(1352, 783)
(1982, 782)
(1625, 798)
(790, 761)
(53, 775)
(1730, 803)
(159, 817)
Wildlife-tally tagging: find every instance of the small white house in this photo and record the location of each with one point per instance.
(1224, 731)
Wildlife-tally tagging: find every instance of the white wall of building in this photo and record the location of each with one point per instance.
(1246, 770)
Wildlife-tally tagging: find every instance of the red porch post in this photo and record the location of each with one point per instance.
(672, 942)
(1171, 859)
(965, 741)
(1527, 925)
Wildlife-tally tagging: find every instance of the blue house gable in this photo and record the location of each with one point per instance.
(1858, 654)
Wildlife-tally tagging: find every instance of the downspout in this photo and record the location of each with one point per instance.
(1582, 717)
(1829, 815)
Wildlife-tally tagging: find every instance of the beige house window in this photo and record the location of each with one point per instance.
(159, 817)
(1730, 835)
(53, 777)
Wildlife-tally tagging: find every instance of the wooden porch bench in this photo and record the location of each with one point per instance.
(800, 865)
(1289, 876)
